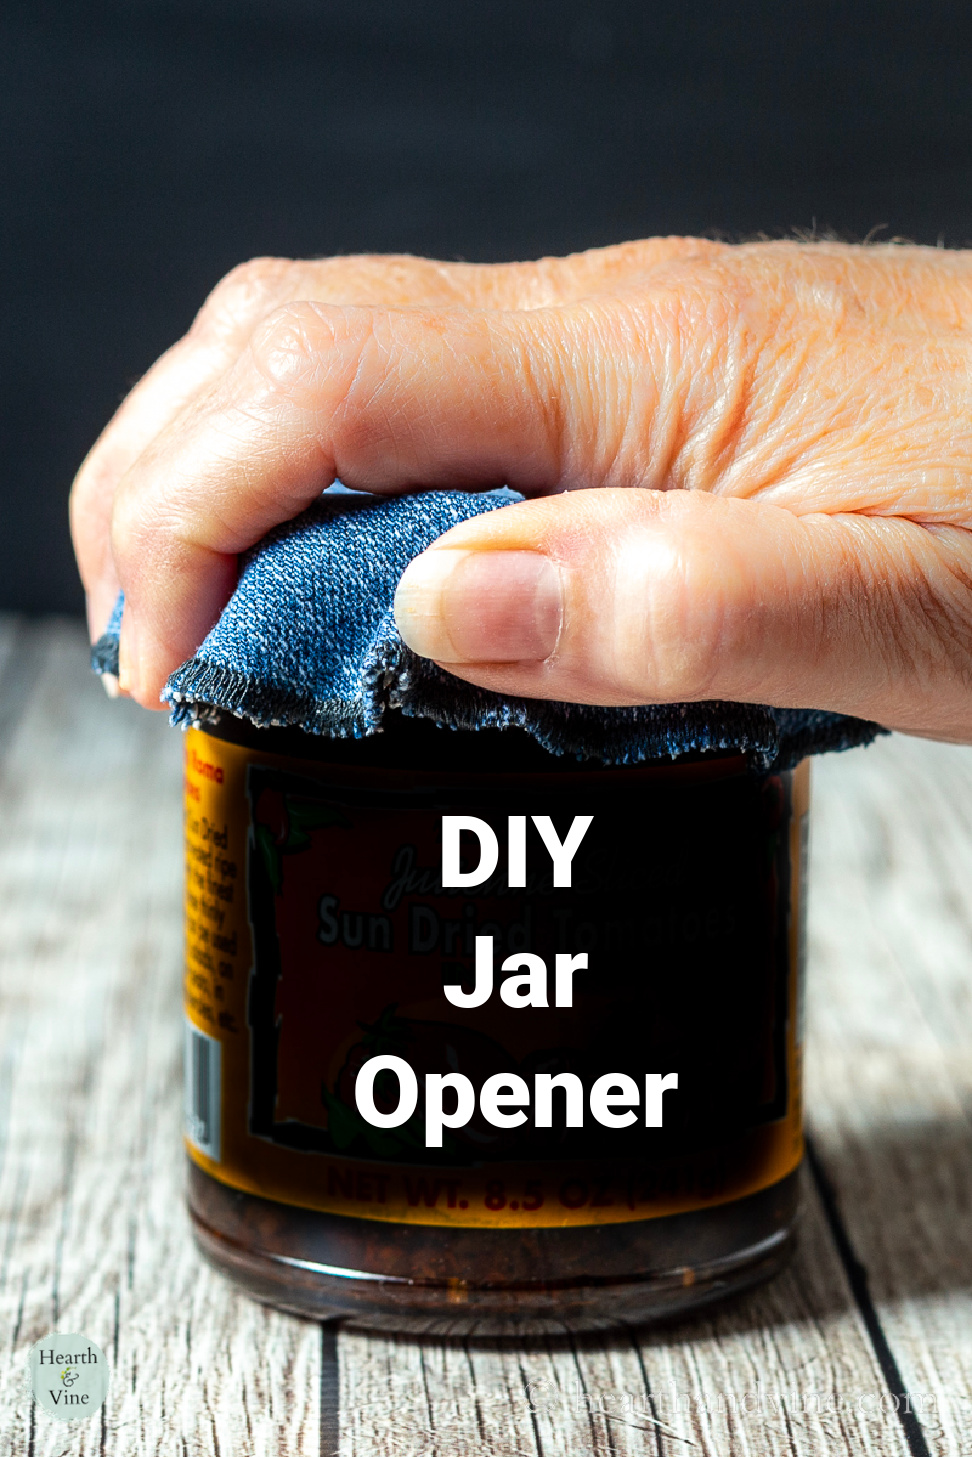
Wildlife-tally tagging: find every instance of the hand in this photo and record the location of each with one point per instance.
(289, 368)
(815, 402)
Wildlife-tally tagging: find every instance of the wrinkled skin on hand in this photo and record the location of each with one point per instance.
(779, 434)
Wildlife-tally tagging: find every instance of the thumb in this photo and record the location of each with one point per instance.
(620, 597)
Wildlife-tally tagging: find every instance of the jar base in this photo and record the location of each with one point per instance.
(310, 1264)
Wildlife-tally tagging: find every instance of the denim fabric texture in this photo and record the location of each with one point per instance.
(104, 654)
(308, 640)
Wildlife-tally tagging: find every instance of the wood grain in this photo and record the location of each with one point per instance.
(890, 1066)
(92, 1231)
(94, 1238)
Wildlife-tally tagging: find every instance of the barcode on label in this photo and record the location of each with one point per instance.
(203, 1100)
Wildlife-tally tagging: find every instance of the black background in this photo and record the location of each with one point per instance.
(148, 145)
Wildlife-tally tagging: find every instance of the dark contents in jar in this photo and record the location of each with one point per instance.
(320, 937)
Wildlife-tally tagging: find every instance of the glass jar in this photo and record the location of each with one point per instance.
(481, 1039)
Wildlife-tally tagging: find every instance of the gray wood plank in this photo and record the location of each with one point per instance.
(890, 1058)
(786, 1370)
(92, 1227)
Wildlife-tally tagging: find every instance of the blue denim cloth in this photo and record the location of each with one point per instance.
(308, 640)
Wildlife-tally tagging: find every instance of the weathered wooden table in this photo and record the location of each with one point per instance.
(863, 1345)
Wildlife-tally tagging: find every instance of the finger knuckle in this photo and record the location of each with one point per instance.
(318, 357)
(292, 340)
(243, 293)
(129, 528)
(127, 540)
(253, 276)
(672, 631)
(150, 536)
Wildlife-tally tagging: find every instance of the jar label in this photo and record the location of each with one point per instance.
(320, 936)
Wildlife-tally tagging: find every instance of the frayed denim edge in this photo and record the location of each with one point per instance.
(843, 733)
(613, 736)
(396, 678)
(104, 655)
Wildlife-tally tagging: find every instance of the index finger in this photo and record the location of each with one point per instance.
(192, 364)
(387, 400)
